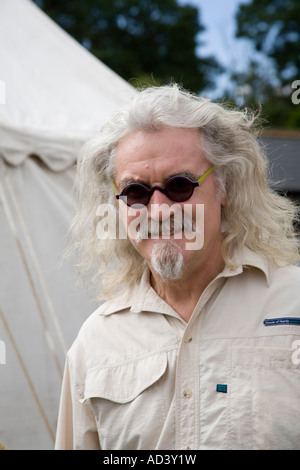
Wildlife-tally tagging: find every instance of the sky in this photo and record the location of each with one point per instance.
(218, 18)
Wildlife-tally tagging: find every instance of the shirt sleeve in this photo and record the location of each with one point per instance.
(76, 426)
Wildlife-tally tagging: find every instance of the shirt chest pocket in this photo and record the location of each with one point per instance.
(127, 402)
(264, 399)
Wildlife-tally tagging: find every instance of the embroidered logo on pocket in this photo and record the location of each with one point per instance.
(282, 321)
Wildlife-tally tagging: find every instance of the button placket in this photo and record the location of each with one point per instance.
(188, 373)
(185, 392)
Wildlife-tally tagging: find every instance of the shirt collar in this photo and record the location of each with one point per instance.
(246, 258)
(144, 298)
(137, 299)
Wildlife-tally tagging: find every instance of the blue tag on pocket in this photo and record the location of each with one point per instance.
(221, 388)
(282, 321)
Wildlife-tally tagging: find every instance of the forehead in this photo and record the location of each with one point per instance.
(152, 154)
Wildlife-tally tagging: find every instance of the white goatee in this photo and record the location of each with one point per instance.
(167, 260)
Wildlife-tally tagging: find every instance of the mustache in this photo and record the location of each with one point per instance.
(154, 228)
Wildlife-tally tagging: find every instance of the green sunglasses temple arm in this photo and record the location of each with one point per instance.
(203, 177)
(115, 187)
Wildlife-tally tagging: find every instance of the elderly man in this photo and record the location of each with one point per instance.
(196, 346)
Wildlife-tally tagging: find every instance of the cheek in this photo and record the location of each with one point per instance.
(131, 219)
(212, 217)
(123, 214)
(212, 207)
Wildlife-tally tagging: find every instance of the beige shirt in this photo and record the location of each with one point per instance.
(139, 377)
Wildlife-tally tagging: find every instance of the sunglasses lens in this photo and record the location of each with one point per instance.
(179, 189)
(136, 194)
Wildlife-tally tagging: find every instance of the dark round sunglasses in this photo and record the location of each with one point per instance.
(177, 188)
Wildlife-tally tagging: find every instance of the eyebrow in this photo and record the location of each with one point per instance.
(123, 183)
(187, 174)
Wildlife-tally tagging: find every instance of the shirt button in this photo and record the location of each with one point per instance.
(188, 393)
(188, 339)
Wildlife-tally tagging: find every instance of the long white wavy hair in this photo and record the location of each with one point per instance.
(254, 216)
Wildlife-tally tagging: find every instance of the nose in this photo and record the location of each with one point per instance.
(159, 205)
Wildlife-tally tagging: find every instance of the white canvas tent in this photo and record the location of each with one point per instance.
(53, 96)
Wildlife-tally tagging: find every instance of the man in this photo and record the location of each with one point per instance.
(197, 345)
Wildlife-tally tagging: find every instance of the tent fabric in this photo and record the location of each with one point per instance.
(41, 310)
(56, 96)
(56, 92)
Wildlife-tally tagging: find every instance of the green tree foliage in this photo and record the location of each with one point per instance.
(273, 26)
(141, 40)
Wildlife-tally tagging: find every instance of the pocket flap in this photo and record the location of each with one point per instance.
(122, 383)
